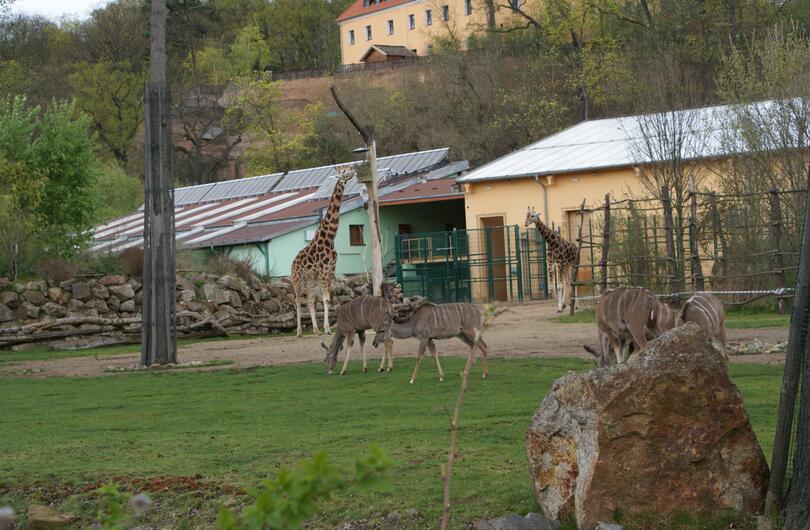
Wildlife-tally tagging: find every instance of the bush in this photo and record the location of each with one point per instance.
(131, 261)
(55, 270)
(96, 264)
(227, 265)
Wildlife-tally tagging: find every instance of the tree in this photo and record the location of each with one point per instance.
(111, 95)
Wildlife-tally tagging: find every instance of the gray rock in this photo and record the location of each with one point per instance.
(98, 305)
(113, 279)
(184, 284)
(272, 305)
(10, 299)
(81, 291)
(113, 303)
(36, 286)
(27, 310)
(123, 292)
(213, 293)
(99, 291)
(35, 297)
(54, 310)
(75, 305)
(532, 521)
(44, 518)
(6, 315)
(58, 295)
(234, 299)
(608, 526)
(4, 282)
(127, 306)
(186, 295)
(136, 285)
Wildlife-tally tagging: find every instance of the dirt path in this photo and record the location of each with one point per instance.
(525, 331)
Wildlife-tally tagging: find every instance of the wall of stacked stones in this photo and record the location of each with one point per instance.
(90, 312)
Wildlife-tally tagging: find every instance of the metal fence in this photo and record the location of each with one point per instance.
(499, 263)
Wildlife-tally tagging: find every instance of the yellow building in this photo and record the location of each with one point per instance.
(384, 30)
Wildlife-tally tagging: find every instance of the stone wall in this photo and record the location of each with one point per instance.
(85, 313)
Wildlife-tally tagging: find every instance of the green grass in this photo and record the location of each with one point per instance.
(234, 427)
(734, 319)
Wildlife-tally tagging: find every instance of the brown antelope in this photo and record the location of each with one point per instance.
(667, 320)
(440, 321)
(356, 316)
(707, 312)
(624, 317)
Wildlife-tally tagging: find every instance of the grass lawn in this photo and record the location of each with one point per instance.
(231, 428)
(735, 318)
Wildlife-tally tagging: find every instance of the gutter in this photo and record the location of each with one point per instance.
(545, 196)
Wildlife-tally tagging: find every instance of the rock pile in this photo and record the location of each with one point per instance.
(83, 313)
(666, 432)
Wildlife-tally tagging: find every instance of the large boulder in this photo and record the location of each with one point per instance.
(122, 292)
(213, 293)
(10, 299)
(35, 297)
(81, 291)
(44, 518)
(112, 279)
(666, 432)
(6, 315)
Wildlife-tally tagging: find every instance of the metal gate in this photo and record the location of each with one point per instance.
(498, 263)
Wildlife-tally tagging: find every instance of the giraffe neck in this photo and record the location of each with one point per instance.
(329, 224)
(551, 237)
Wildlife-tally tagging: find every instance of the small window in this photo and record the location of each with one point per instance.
(356, 235)
(445, 13)
(405, 229)
(468, 7)
(515, 4)
(390, 27)
(411, 21)
(428, 17)
(351, 37)
(368, 32)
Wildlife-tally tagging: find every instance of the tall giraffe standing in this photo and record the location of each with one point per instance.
(314, 266)
(561, 255)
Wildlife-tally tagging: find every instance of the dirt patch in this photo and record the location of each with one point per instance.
(524, 331)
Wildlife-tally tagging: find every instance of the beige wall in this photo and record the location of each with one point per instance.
(419, 38)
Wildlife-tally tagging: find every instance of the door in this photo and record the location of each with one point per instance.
(496, 257)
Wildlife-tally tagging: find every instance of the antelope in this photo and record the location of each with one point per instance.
(667, 320)
(356, 316)
(624, 317)
(708, 313)
(440, 321)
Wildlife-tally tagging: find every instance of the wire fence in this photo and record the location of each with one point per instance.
(743, 247)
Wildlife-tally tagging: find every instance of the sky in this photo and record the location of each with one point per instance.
(56, 9)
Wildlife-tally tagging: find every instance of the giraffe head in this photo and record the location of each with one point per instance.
(531, 216)
(345, 173)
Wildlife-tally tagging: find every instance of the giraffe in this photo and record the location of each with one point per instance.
(561, 255)
(314, 265)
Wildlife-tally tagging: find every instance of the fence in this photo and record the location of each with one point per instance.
(498, 263)
(744, 247)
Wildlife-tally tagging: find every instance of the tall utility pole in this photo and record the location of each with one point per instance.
(159, 335)
(371, 185)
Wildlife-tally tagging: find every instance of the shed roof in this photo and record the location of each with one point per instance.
(395, 51)
(619, 142)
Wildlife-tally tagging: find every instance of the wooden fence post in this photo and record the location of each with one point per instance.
(698, 282)
(672, 265)
(720, 245)
(605, 247)
(575, 268)
(776, 238)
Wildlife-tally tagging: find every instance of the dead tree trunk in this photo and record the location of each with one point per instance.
(605, 247)
(575, 269)
(698, 282)
(159, 336)
(776, 238)
(672, 265)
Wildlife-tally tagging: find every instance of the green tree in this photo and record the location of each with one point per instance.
(112, 96)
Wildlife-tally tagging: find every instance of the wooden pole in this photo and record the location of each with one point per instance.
(371, 186)
(776, 239)
(575, 268)
(698, 282)
(159, 335)
(674, 284)
(605, 247)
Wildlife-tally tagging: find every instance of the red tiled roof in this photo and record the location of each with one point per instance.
(357, 9)
(430, 191)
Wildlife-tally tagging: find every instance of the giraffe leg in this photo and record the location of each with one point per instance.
(311, 303)
(298, 332)
(349, 346)
(432, 346)
(559, 280)
(419, 354)
(326, 290)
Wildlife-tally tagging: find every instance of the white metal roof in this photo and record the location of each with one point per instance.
(618, 142)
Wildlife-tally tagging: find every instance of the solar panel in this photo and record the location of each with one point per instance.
(231, 189)
(191, 194)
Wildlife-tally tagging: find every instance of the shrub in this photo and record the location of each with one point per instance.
(239, 267)
(55, 270)
(96, 264)
(131, 261)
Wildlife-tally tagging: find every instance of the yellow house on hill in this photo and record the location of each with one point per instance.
(385, 30)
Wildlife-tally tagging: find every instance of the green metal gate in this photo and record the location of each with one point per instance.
(490, 264)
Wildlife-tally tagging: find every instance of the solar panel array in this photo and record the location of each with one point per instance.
(229, 189)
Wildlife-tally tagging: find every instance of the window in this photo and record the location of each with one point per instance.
(468, 7)
(515, 4)
(411, 21)
(356, 235)
(390, 27)
(445, 13)
(428, 17)
(368, 32)
(405, 229)
(351, 37)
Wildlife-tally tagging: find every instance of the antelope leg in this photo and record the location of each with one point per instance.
(419, 354)
(432, 346)
(349, 346)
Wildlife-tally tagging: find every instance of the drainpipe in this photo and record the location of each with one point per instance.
(545, 196)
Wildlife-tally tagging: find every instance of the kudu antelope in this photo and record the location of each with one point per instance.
(624, 317)
(708, 313)
(440, 321)
(356, 316)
